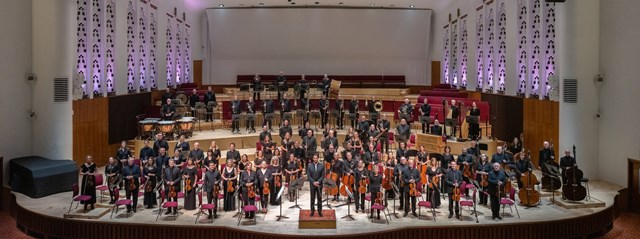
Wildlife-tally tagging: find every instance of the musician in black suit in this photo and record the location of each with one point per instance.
(425, 111)
(373, 113)
(410, 175)
(546, 154)
(567, 162)
(129, 172)
(285, 107)
(330, 140)
(324, 111)
(160, 143)
(337, 169)
(280, 80)
(403, 131)
(123, 154)
(168, 110)
(523, 165)
(436, 128)
(162, 161)
(398, 170)
(384, 126)
(315, 173)
(353, 110)
(265, 132)
(339, 106)
(267, 109)
(264, 174)
(474, 127)
(455, 112)
(197, 154)
(250, 107)
(286, 128)
(235, 110)
(248, 178)
(193, 98)
(309, 144)
(497, 178)
(211, 179)
(453, 179)
(172, 177)
(146, 152)
(210, 96)
(326, 83)
(406, 110)
(500, 157)
(166, 97)
(232, 153)
(257, 86)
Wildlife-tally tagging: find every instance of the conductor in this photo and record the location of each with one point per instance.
(315, 173)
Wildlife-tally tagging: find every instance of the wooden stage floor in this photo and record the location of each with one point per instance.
(57, 205)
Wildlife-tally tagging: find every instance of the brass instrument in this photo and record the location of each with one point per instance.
(378, 106)
(249, 108)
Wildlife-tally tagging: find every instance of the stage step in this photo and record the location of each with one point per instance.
(327, 221)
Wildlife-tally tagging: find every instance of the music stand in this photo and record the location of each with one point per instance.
(294, 184)
(279, 217)
(286, 116)
(411, 153)
(272, 88)
(406, 117)
(334, 114)
(234, 118)
(250, 117)
(315, 115)
(395, 189)
(348, 216)
(328, 183)
(450, 123)
(238, 204)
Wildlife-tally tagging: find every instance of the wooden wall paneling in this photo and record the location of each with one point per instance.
(91, 130)
(541, 123)
(197, 72)
(633, 174)
(435, 73)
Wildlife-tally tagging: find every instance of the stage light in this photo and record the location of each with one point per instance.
(261, 4)
(221, 5)
(373, 5)
(411, 6)
(341, 3)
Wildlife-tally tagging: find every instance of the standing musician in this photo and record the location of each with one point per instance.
(315, 173)
(523, 165)
(309, 144)
(292, 169)
(210, 96)
(267, 108)
(546, 154)
(229, 174)
(337, 169)
(172, 177)
(183, 147)
(384, 126)
(398, 170)
(123, 154)
(276, 172)
(497, 178)
(298, 151)
(324, 111)
(131, 171)
(285, 107)
(464, 160)
(264, 175)
(361, 174)
(149, 172)
(403, 131)
(339, 106)
(328, 155)
(250, 107)
(248, 178)
(193, 99)
(210, 158)
(233, 154)
(160, 143)
(434, 171)
(265, 132)
(286, 128)
(567, 162)
(331, 140)
(257, 86)
(410, 175)
(474, 127)
(406, 110)
(326, 83)
(425, 113)
(474, 150)
(455, 112)
(197, 154)
(146, 152)
(177, 157)
(280, 80)
(112, 171)
(447, 157)
(372, 133)
(287, 144)
(305, 103)
(423, 156)
(363, 124)
(370, 104)
(371, 156)
(390, 164)
(453, 179)
(189, 175)
(88, 171)
(168, 110)
(357, 145)
(302, 83)
(375, 183)
(211, 179)
(402, 151)
(162, 162)
(353, 111)
(166, 96)
(483, 168)
(268, 147)
(235, 110)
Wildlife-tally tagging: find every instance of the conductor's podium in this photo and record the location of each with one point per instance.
(327, 221)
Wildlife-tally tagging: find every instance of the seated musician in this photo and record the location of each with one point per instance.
(523, 165)
(425, 111)
(251, 109)
(474, 127)
(406, 110)
(168, 110)
(546, 154)
(403, 131)
(500, 157)
(566, 163)
(265, 132)
(257, 86)
(436, 128)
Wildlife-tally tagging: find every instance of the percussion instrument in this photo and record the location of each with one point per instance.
(147, 127)
(185, 126)
(334, 89)
(167, 127)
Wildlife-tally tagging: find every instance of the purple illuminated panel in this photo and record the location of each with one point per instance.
(480, 48)
(81, 48)
(522, 51)
(445, 55)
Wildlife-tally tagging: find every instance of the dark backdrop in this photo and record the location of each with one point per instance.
(122, 115)
(506, 115)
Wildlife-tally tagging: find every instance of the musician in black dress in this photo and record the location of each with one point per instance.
(425, 111)
(264, 174)
(353, 111)
(315, 174)
(211, 180)
(375, 182)
(410, 176)
(250, 107)
(189, 174)
(324, 111)
(88, 170)
(149, 172)
(168, 110)
(339, 106)
(453, 180)
(257, 86)
(215, 153)
(229, 173)
(566, 163)
(516, 146)
(235, 110)
(497, 178)
(112, 172)
(292, 170)
(433, 193)
(384, 126)
(146, 152)
(131, 174)
(172, 178)
(276, 171)
(177, 157)
(483, 168)
(247, 179)
(210, 96)
(280, 80)
(546, 154)
(390, 164)
(268, 147)
(361, 174)
(474, 126)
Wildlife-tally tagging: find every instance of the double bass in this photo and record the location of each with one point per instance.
(550, 175)
(528, 194)
(574, 190)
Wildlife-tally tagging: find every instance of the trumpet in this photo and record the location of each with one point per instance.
(377, 106)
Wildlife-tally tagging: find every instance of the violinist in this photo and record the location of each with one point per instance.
(567, 162)
(316, 173)
(375, 182)
(483, 168)
(189, 175)
(268, 147)
(402, 151)
(287, 143)
(292, 169)
(523, 165)
(248, 179)
(497, 178)
(464, 160)
(397, 172)
(131, 171)
(423, 156)
(211, 179)
(434, 171)
(337, 169)
(410, 177)
(149, 172)
(264, 174)
(371, 156)
(501, 158)
(177, 158)
(216, 152)
(112, 171)
(361, 174)
(453, 180)
(229, 174)
(197, 155)
(172, 177)
(88, 171)
(233, 154)
(276, 172)
(390, 164)
(244, 163)
(146, 152)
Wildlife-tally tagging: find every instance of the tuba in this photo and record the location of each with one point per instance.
(378, 106)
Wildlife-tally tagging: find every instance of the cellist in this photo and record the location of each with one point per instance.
(348, 167)
(337, 169)
(482, 169)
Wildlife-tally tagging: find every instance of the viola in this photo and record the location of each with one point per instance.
(172, 191)
(388, 176)
(266, 189)
(434, 182)
(187, 183)
(216, 189)
(278, 181)
(251, 192)
(456, 194)
(148, 186)
(132, 184)
(363, 186)
(484, 182)
(412, 189)
(230, 187)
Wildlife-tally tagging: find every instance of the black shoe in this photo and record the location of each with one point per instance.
(499, 217)
(112, 202)
(371, 216)
(135, 210)
(209, 217)
(493, 218)
(378, 217)
(167, 213)
(92, 207)
(320, 214)
(414, 214)
(450, 216)
(458, 217)
(215, 216)
(128, 210)
(400, 208)
(405, 214)
(312, 213)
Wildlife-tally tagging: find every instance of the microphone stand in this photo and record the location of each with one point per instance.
(280, 217)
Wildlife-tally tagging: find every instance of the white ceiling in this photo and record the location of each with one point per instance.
(429, 4)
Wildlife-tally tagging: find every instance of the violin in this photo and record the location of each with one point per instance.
(412, 189)
(172, 191)
(379, 197)
(363, 186)
(251, 192)
(148, 187)
(266, 189)
(456, 194)
(484, 182)
(216, 189)
(434, 182)
(132, 184)
(187, 183)
(277, 181)
(230, 188)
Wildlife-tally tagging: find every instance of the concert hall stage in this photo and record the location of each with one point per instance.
(43, 217)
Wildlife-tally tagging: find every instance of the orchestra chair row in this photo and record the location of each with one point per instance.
(77, 197)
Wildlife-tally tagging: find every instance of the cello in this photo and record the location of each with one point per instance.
(347, 183)
(574, 190)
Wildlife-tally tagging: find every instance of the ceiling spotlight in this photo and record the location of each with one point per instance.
(317, 3)
(341, 3)
(411, 6)
(221, 5)
(293, 3)
(261, 4)
(372, 4)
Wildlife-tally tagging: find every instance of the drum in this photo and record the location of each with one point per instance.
(147, 126)
(334, 89)
(185, 126)
(167, 127)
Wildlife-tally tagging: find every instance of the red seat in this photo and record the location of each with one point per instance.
(101, 187)
(248, 209)
(429, 206)
(510, 201)
(77, 197)
(204, 207)
(123, 202)
(470, 203)
(381, 208)
(412, 141)
(165, 205)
